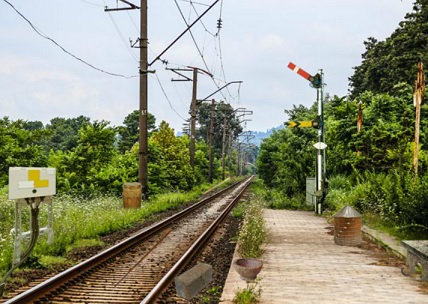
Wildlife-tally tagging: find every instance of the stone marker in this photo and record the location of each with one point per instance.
(189, 283)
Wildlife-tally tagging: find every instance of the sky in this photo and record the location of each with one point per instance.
(40, 80)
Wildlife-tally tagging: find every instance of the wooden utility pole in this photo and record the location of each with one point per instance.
(143, 150)
(223, 146)
(212, 112)
(417, 101)
(143, 111)
(193, 118)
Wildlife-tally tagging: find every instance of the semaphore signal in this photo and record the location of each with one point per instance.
(314, 80)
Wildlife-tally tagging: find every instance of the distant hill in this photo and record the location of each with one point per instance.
(261, 135)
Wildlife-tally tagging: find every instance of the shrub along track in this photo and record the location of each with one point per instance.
(125, 277)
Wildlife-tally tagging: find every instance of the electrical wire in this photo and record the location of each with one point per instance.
(167, 98)
(190, 1)
(63, 49)
(121, 36)
(91, 3)
(197, 15)
(197, 46)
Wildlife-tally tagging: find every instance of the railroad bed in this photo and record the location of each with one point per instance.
(140, 268)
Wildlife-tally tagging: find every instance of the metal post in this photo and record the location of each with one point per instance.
(143, 145)
(319, 159)
(193, 118)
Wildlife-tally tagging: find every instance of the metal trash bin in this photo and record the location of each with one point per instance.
(132, 195)
(347, 227)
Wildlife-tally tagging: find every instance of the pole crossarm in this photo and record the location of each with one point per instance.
(177, 71)
(207, 98)
(244, 112)
(131, 7)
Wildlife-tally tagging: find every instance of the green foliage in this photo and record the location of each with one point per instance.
(19, 147)
(129, 134)
(386, 63)
(287, 157)
(394, 201)
(80, 221)
(175, 158)
(249, 295)
(62, 133)
(78, 168)
(222, 110)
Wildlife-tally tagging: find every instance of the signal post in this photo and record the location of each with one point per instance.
(316, 82)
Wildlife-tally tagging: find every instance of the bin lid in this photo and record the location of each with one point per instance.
(132, 185)
(347, 212)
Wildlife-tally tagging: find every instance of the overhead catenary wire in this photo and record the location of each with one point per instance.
(197, 46)
(121, 36)
(217, 35)
(167, 98)
(91, 3)
(41, 34)
(199, 3)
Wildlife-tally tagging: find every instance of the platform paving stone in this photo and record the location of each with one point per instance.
(302, 264)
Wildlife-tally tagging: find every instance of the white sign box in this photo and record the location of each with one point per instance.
(31, 182)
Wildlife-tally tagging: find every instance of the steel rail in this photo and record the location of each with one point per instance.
(193, 250)
(37, 292)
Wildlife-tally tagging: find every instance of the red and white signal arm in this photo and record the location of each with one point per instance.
(299, 71)
(31, 182)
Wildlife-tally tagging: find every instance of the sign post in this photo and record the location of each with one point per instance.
(29, 187)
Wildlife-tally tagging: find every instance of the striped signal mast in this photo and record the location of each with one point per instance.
(316, 82)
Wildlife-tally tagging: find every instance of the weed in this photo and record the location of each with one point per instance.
(252, 233)
(249, 295)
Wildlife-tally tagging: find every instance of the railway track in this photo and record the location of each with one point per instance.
(140, 268)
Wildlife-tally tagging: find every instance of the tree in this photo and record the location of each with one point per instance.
(63, 132)
(222, 110)
(175, 155)
(287, 157)
(387, 63)
(78, 168)
(129, 133)
(19, 147)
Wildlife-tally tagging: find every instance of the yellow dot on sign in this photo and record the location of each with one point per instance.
(34, 175)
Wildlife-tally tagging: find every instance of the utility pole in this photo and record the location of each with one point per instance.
(193, 119)
(212, 112)
(193, 106)
(223, 146)
(143, 146)
(143, 111)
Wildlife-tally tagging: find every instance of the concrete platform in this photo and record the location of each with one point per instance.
(302, 264)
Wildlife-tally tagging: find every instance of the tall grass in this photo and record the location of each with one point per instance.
(394, 203)
(252, 232)
(77, 218)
